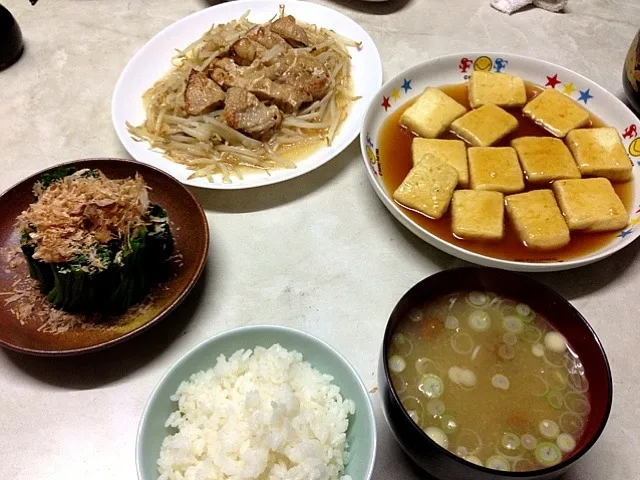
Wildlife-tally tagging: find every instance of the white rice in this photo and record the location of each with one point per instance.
(264, 415)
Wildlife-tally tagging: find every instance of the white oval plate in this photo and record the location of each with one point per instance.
(452, 69)
(153, 60)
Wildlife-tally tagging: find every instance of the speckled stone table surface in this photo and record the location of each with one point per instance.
(319, 253)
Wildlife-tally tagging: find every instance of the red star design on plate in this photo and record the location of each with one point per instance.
(552, 81)
(385, 103)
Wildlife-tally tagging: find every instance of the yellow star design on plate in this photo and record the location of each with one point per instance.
(635, 222)
(395, 93)
(569, 88)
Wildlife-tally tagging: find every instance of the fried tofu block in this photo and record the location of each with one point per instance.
(501, 89)
(452, 152)
(545, 159)
(556, 112)
(477, 215)
(485, 126)
(599, 152)
(495, 168)
(432, 113)
(591, 204)
(428, 188)
(538, 220)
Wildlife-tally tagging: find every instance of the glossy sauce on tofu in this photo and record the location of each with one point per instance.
(394, 144)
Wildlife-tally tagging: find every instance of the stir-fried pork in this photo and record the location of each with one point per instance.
(288, 29)
(243, 111)
(202, 94)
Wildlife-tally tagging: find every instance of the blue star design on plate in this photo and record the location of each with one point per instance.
(369, 142)
(585, 95)
(624, 233)
(406, 85)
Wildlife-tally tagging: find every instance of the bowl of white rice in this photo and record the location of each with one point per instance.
(258, 402)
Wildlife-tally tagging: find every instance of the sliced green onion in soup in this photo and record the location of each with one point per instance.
(500, 381)
(498, 462)
(566, 442)
(555, 359)
(425, 365)
(510, 338)
(431, 385)
(507, 307)
(510, 441)
(529, 441)
(549, 429)
(477, 299)
(397, 364)
(403, 345)
(479, 320)
(469, 440)
(578, 403)
(571, 422)
(435, 407)
(414, 408)
(507, 352)
(511, 323)
(438, 436)
(538, 350)
(449, 424)
(555, 378)
(399, 384)
(473, 459)
(578, 382)
(531, 334)
(523, 309)
(555, 398)
(475, 352)
(462, 343)
(548, 454)
(451, 322)
(415, 315)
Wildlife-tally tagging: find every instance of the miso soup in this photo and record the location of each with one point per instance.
(490, 380)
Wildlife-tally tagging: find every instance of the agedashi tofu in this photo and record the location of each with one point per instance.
(591, 204)
(599, 152)
(495, 168)
(428, 188)
(537, 219)
(432, 113)
(545, 159)
(452, 152)
(485, 126)
(477, 215)
(556, 112)
(501, 89)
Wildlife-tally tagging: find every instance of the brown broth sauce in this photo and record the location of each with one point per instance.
(395, 162)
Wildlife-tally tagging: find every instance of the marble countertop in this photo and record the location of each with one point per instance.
(319, 252)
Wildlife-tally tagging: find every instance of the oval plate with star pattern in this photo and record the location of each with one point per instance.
(456, 69)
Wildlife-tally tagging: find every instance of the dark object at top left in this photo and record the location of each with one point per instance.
(11, 45)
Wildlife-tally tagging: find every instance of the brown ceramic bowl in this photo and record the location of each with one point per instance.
(439, 462)
(191, 234)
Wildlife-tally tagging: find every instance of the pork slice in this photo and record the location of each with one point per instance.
(257, 80)
(202, 94)
(265, 37)
(288, 29)
(244, 51)
(243, 111)
(303, 71)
